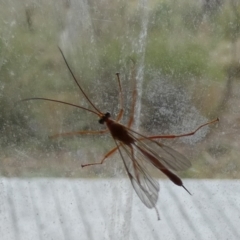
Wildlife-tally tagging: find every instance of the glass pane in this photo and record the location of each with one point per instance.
(179, 68)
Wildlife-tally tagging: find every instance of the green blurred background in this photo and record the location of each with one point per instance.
(184, 55)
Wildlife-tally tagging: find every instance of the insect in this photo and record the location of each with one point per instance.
(135, 149)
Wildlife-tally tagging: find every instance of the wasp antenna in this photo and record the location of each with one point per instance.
(76, 81)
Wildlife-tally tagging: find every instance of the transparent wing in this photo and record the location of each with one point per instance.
(167, 156)
(145, 186)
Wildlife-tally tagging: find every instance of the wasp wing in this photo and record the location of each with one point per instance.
(144, 185)
(167, 156)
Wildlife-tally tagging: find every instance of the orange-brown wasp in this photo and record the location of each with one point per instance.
(134, 148)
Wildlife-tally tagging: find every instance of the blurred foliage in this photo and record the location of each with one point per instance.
(190, 45)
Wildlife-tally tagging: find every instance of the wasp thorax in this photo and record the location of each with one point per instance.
(104, 118)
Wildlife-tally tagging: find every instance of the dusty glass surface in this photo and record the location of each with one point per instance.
(184, 56)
